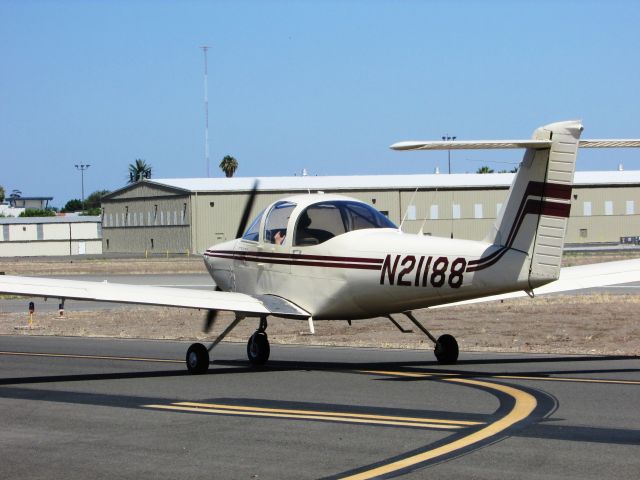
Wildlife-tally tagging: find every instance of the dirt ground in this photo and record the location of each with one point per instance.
(576, 324)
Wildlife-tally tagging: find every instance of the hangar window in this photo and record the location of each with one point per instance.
(630, 207)
(586, 209)
(433, 212)
(477, 210)
(608, 207)
(455, 210)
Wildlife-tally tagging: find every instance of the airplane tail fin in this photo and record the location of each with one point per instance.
(534, 216)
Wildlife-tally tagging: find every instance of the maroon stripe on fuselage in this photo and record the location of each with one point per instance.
(527, 206)
(295, 261)
(291, 256)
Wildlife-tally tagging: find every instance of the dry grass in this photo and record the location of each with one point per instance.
(590, 324)
(119, 266)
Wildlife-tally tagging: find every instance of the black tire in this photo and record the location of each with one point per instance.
(446, 350)
(197, 358)
(258, 349)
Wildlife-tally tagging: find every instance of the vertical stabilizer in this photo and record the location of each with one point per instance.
(534, 216)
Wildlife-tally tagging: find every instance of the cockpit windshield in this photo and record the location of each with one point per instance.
(325, 220)
(253, 232)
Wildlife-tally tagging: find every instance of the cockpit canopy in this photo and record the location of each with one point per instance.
(314, 224)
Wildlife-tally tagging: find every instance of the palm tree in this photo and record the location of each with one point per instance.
(229, 165)
(139, 170)
(484, 169)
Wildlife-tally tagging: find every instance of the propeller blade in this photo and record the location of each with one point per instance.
(247, 210)
(209, 320)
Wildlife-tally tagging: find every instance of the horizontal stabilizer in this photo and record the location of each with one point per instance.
(575, 278)
(503, 144)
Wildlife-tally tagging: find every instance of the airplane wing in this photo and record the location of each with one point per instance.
(149, 295)
(574, 278)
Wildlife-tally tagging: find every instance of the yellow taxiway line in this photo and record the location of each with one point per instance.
(92, 357)
(506, 377)
(523, 407)
(433, 423)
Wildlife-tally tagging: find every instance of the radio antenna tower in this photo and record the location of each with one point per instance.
(206, 111)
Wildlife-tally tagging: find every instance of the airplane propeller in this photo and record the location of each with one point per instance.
(247, 210)
(210, 319)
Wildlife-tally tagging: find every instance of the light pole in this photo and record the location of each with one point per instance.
(447, 138)
(206, 110)
(82, 167)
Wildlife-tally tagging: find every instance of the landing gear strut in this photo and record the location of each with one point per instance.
(258, 345)
(198, 354)
(446, 346)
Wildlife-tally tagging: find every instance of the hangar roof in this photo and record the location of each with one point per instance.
(377, 182)
(56, 219)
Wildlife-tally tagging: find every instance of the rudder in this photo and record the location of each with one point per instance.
(535, 214)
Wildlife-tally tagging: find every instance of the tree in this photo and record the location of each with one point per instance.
(1, 194)
(139, 170)
(36, 212)
(93, 201)
(229, 165)
(73, 205)
(484, 169)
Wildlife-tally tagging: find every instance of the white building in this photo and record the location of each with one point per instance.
(40, 236)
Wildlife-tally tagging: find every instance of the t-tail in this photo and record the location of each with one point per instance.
(534, 217)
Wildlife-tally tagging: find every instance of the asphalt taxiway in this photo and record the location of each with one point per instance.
(105, 408)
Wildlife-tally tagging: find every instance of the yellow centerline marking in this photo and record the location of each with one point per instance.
(508, 377)
(568, 379)
(410, 374)
(524, 406)
(333, 414)
(91, 357)
(304, 415)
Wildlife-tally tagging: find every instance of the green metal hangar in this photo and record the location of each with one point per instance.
(191, 214)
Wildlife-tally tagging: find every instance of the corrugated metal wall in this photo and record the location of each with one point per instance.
(159, 222)
(130, 222)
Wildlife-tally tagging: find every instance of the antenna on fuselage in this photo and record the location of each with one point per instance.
(406, 212)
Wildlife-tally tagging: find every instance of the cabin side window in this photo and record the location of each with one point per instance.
(319, 223)
(275, 226)
(323, 221)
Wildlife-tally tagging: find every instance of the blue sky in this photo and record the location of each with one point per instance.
(321, 85)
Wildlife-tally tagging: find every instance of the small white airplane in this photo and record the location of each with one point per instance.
(330, 257)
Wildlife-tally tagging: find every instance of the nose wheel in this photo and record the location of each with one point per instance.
(197, 358)
(258, 348)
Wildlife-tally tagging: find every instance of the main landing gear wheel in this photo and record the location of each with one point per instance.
(197, 358)
(446, 350)
(258, 349)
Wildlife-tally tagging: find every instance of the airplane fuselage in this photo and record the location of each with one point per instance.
(367, 273)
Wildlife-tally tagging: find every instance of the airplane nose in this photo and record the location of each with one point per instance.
(219, 262)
